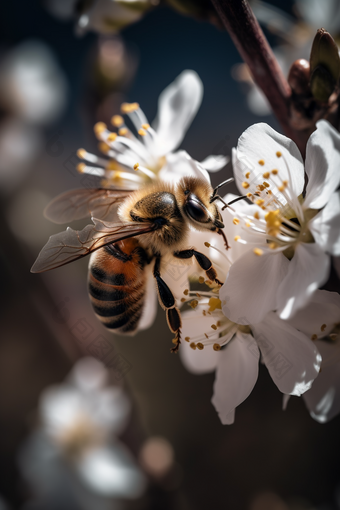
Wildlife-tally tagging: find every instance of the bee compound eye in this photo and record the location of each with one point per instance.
(196, 210)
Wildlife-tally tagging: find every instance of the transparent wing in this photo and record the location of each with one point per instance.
(85, 203)
(70, 244)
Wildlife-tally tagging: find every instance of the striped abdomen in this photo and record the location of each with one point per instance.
(117, 285)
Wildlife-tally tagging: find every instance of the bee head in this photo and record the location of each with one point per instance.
(194, 198)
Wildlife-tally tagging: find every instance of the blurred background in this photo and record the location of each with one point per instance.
(59, 74)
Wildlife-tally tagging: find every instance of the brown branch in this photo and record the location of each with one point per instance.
(253, 47)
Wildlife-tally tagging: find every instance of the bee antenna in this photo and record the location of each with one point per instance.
(215, 196)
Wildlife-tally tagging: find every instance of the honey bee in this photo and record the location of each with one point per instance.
(131, 230)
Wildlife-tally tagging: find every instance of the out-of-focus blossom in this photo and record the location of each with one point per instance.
(285, 225)
(143, 156)
(32, 86)
(103, 16)
(77, 440)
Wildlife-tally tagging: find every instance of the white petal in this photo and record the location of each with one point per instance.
(179, 164)
(177, 106)
(110, 409)
(292, 359)
(323, 399)
(88, 374)
(325, 226)
(111, 471)
(60, 406)
(195, 361)
(236, 375)
(150, 305)
(215, 163)
(250, 289)
(308, 270)
(261, 142)
(319, 316)
(322, 165)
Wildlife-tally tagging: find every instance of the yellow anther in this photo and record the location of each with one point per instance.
(247, 175)
(323, 327)
(256, 215)
(112, 136)
(333, 336)
(103, 147)
(245, 184)
(236, 221)
(214, 326)
(200, 346)
(81, 167)
(146, 126)
(134, 106)
(249, 195)
(81, 153)
(218, 324)
(193, 345)
(112, 165)
(208, 282)
(272, 246)
(206, 336)
(193, 303)
(216, 347)
(204, 313)
(186, 292)
(260, 187)
(261, 162)
(207, 244)
(258, 251)
(201, 279)
(135, 166)
(269, 192)
(279, 154)
(214, 304)
(248, 224)
(281, 188)
(266, 184)
(275, 171)
(99, 128)
(237, 238)
(117, 120)
(122, 131)
(285, 183)
(183, 300)
(198, 295)
(259, 201)
(187, 338)
(314, 337)
(142, 132)
(129, 107)
(266, 175)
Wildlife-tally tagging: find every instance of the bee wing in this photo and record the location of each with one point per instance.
(81, 203)
(70, 244)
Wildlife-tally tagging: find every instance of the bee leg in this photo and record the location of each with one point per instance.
(168, 303)
(203, 262)
(219, 231)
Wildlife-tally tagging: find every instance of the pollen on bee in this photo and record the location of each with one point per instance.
(216, 347)
(135, 166)
(275, 171)
(112, 136)
(187, 338)
(258, 251)
(236, 221)
(146, 126)
(266, 175)
(81, 167)
(279, 154)
(117, 120)
(245, 184)
(81, 153)
(200, 346)
(207, 244)
(193, 345)
(261, 162)
(314, 337)
(201, 279)
(323, 327)
(142, 132)
(214, 326)
(122, 131)
(237, 238)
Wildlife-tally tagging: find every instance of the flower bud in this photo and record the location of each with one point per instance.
(324, 65)
(298, 77)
